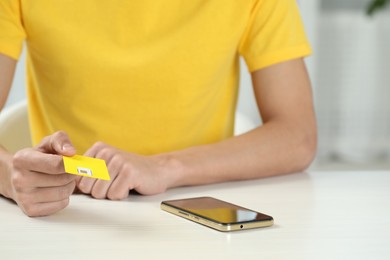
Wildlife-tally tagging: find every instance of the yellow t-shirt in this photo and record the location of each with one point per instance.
(145, 76)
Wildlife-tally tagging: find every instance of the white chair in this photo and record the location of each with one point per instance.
(243, 123)
(14, 127)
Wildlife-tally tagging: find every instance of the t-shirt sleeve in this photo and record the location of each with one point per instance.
(274, 34)
(12, 33)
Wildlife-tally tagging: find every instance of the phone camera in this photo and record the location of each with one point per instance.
(241, 226)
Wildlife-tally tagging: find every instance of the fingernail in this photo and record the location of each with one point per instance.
(67, 147)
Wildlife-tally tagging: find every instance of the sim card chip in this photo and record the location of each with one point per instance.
(83, 170)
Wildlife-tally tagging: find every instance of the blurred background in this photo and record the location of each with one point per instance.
(350, 72)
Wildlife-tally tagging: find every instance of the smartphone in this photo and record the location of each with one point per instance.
(217, 214)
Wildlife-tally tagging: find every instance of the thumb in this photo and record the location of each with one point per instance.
(57, 143)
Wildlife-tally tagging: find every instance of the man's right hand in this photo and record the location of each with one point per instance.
(36, 179)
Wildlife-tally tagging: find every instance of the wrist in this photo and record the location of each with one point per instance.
(172, 170)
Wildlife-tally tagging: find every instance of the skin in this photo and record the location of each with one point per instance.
(286, 142)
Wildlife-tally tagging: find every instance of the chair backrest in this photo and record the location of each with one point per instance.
(14, 127)
(243, 123)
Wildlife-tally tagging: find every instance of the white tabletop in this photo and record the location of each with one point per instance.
(318, 215)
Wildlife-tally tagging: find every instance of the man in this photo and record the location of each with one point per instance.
(151, 88)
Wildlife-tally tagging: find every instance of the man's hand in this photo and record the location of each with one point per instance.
(37, 180)
(127, 171)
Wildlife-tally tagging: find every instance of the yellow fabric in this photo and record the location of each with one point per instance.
(145, 76)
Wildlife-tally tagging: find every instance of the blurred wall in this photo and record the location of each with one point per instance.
(352, 83)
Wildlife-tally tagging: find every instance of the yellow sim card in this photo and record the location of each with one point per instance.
(86, 166)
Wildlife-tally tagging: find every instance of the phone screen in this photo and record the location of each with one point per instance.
(228, 216)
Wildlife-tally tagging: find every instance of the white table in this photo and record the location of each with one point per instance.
(318, 215)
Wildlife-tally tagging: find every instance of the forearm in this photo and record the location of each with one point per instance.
(275, 148)
(5, 164)
(7, 70)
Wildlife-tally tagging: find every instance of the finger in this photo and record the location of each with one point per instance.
(120, 188)
(100, 188)
(103, 151)
(28, 180)
(54, 180)
(97, 147)
(77, 180)
(57, 143)
(86, 184)
(45, 209)
(53, 194)
(32, 160)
